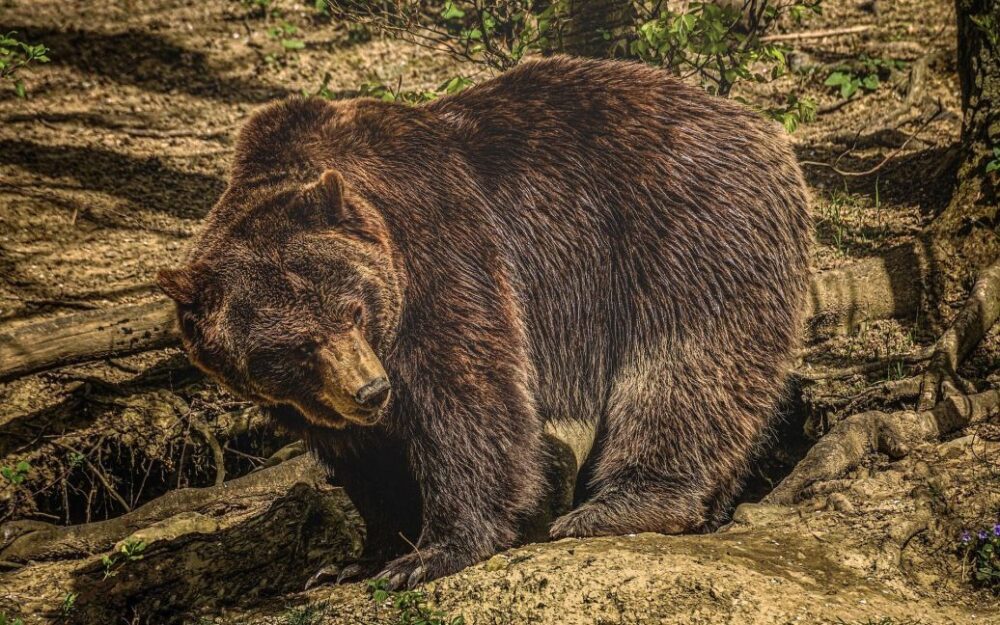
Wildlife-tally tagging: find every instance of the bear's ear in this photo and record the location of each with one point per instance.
(325, 199)
(180, 285)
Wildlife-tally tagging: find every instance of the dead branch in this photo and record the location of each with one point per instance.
(890, 286)
(817, 34)
(218, 457)
(271, 552)
(888, 157)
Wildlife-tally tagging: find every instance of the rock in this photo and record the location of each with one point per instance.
(840, 503)
(754, 514)
(956, 448)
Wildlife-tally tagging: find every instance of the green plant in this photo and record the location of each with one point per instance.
(17, 473)
(75, 459)
(387, 93)
(982, 551)
(796, 111)
(284, 33)
(311, 614)
(131, 550)
(867, 75)
(719, 44)
(15, 55)
(409, 607)
(994, 163)
(9, 620)
(895, 370)
(68, 604)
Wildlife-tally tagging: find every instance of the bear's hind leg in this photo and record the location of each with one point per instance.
(675, 437)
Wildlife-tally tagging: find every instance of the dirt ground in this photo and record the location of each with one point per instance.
(123, 145)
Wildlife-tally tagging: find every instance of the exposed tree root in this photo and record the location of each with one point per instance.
(894, 434)
(945, 402)
(977, 316)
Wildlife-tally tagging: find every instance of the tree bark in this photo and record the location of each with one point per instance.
(590, 27)
(964, 236)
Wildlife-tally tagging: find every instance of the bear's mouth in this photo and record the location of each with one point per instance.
(338, 415)
(354, 414)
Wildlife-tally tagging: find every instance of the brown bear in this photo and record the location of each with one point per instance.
(426, 291)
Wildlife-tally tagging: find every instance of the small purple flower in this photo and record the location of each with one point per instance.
(983, 535)
(966, 537)
(996, 529)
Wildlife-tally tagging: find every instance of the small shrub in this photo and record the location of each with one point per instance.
(130, 551)
(717, 45)
(15, 55)
(387, 93)
(867, 75)
(409, 607)
(17, 473)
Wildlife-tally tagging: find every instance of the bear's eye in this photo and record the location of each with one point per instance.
(306, 350)
(358, 315)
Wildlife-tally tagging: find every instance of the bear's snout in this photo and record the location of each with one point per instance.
(374, 394)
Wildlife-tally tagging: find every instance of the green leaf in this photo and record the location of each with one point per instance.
(20, 90)
(870, 82)
(293, 44)
(837, 78)
(848, 89)
(451, 12)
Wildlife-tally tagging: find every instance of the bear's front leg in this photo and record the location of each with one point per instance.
(476, 452)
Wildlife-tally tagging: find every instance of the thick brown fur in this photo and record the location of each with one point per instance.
(573, 240)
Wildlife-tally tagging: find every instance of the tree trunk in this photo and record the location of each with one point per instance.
(591, 27)
(964, 236)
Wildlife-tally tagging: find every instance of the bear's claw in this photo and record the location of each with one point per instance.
(337, 575)
(416, 568)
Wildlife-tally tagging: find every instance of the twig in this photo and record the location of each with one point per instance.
(816, 34)
(885, 160)
(865, 368)
(202, 428)
(100, 476)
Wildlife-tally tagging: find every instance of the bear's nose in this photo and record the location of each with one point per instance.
(373, 394)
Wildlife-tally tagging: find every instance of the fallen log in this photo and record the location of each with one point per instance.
(24, 541)
(840, 301)
(268, 554)
(87, 336)
(192, 549)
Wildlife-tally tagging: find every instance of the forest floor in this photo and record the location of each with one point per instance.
(123, 145)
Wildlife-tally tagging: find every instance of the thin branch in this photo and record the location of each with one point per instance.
(884, 161)
(816, 34)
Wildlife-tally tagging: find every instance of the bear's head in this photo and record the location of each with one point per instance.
(292, 297)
